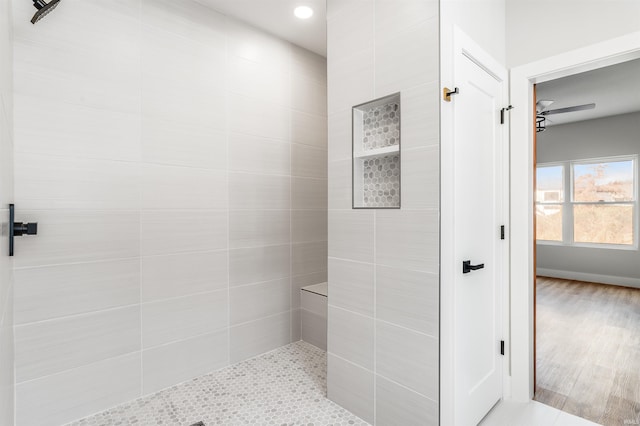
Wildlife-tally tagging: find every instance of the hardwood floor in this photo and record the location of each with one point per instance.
(588, 350)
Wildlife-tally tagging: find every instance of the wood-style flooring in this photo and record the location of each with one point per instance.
(588, 350)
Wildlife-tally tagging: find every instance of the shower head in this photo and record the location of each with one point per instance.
(43, 9)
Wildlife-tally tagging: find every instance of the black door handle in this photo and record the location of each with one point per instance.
(468, 267)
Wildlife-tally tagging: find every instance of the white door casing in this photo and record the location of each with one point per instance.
(474, 204)
(522, 79)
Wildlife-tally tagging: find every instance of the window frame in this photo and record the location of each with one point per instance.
(562, 203)
(568, 236)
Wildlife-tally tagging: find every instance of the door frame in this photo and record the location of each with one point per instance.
(610, 52)
(454, 42)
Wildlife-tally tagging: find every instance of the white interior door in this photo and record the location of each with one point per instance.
(479, 142)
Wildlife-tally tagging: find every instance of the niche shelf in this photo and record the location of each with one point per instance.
(376, 154)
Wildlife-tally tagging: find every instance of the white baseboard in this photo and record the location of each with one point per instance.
(591, 278)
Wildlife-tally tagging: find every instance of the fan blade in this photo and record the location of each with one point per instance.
(569, 109)
(542, 105)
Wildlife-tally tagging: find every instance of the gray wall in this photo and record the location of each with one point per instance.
(617, 135)
(383, 264)
(538, 29)
(175, 160)
(6, 197)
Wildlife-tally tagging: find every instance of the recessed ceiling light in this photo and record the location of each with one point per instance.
(303, 12)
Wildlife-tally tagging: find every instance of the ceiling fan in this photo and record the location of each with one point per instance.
(542, 112)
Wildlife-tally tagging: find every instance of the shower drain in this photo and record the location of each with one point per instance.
(198, 424)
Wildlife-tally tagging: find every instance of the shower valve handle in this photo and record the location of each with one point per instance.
(18, 229)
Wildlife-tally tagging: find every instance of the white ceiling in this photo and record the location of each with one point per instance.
(276, 17)
(614, 89)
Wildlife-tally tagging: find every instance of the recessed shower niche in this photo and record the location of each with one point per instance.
(376, 154)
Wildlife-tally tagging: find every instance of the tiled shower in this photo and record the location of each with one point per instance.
(189, 174)
(177, 171)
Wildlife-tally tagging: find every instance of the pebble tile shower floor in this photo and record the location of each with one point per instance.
(284, 387)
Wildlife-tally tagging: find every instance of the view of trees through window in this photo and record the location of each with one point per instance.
(602, 205)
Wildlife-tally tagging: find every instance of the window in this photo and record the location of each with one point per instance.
(549, 202)
(602, 209)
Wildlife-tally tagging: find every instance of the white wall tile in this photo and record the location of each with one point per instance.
(408, 239)
(314, 303)
(299, 281)
(167, 365)
(351, 285)
(194, 80)
(308, 225)
(408, 358)
(351, 31)
(55, 291)
(257, 337)
(7, 399)
(75, 130)
(308, 193)
(170, 187)
(351, 80)
(176, 319)
(308, 258)
(351, 336)
(73, 394)
(340, 132)
(186, 18)
(351, 234)
(392, 19)
(308, 96)
(67, 236)
(408, 298)
(314, 328)
(398, 405)
(53, 346)
(48, 75)
(421, 178)
(252, 265)
(307, 161)
(296, 324)
(259, 192)
(53, 182)
(258, 118)
(176, 275)
(6, 156)
(178, 144)
(309, 64)
(255, 80)
(340, 185)
(7, 382)
(351, 386)
(253, 228)
(308, 129)
(420, 116)
(255, 154)
(407, 59)
(179, 231)
(255, 301)
(252, 44)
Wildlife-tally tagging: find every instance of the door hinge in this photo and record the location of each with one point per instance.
(502, 111)
(502, 232)
(447, 93)
(501, 347)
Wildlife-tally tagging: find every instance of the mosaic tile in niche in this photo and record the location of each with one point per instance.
(381, 181)
(381, 126)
